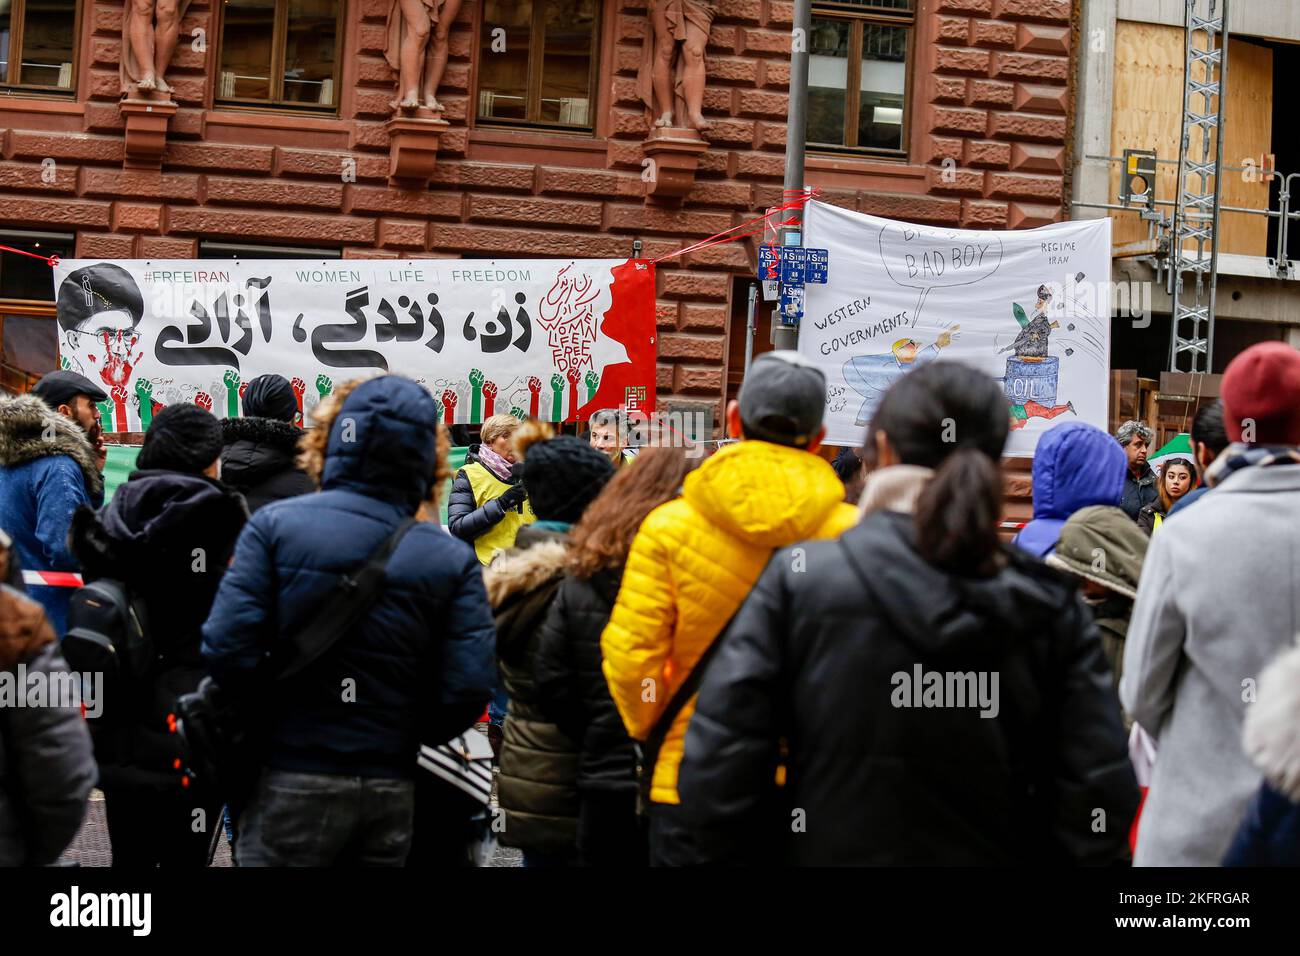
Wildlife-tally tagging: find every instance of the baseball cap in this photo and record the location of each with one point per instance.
(783, 399)
(60, 388)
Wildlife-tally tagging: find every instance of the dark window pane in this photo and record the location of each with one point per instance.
(246, 39)
(48, 42)
(31, 343)
(22, 277)
(5, 34)
(309, 57)
(503, 66)
(566, 67)
(828, 80)
(882, 5)
(882, 82)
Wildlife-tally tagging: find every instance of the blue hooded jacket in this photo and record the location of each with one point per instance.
(47, 472)
(421, 663)
(1076, 465)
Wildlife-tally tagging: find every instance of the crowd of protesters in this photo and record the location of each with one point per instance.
(756, 656)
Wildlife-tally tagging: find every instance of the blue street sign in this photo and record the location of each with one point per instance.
(769, 258)
(794, 265)
(791, 304)
(818, 265)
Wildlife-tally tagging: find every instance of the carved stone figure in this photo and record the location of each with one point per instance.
(417, 49)
(150, 32)
(671, 79)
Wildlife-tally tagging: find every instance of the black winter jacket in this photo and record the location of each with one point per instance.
(828, 663)
(258, 460)
(1139, 492)
(571, 685)
(537, 788)
(168, 536)
(465, 519)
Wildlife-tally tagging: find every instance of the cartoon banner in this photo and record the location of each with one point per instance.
(555, 339)
(1030, 307)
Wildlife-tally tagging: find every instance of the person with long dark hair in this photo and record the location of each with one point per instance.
(915, 691)
(1177, 478)
(570, 684)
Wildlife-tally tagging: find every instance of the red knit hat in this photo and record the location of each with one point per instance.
(1262, 385)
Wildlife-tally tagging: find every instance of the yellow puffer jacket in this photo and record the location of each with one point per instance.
(693, 562)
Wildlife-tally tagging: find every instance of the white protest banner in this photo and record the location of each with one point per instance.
(554, 338)
(1030, 307)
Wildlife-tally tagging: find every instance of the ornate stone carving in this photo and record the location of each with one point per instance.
(413, 146)
(417, 50)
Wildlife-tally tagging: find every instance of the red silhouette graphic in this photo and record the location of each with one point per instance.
(449, 406)
(204, 401)
(489, 399)
(118, 394)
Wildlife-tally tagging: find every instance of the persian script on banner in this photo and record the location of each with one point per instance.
(1030, 307)
(553, 339)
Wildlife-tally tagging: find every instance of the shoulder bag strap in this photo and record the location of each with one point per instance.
(352, 597)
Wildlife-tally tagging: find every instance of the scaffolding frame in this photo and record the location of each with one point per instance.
(1194, 252)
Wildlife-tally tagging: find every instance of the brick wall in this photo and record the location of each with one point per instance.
(990, 90)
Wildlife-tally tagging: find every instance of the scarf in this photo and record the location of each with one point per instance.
(1240, 455)
(494, 463)
(895, 488)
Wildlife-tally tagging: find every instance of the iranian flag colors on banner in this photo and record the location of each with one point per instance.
(556, 339)
(1029, 307)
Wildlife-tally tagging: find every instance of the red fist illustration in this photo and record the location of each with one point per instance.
(204, 401)
(119, 394)
(243, 387)
(299, 386)
(574, 376)
(449, 405)
(534, 384)
(489, 389)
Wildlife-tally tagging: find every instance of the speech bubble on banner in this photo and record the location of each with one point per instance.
(921, 258)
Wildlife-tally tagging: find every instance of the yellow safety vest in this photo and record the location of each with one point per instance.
(487, 486)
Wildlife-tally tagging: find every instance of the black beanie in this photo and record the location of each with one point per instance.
(270, 396)
(181, 438)
(564, 475)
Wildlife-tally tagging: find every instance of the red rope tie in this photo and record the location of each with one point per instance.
(51, 260)
(761, 222)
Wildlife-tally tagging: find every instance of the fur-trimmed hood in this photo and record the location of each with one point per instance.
(30, 430)
(256, 449)
(1272, 728)
(521, 584)
(522, 570)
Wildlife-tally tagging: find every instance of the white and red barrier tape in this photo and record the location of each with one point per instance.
(53, 579)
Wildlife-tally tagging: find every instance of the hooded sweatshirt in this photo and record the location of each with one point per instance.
(692, 563)
(1075, 465)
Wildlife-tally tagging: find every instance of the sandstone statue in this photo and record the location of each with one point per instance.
(150, 32)
(671, 79)
(417, 49)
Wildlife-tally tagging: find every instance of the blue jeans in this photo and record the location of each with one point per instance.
(313, 819)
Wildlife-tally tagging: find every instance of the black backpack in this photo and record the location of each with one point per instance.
(108, 634)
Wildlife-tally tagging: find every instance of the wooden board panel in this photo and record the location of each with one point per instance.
(1248, 133)
(1147, 111)
(1147, 114)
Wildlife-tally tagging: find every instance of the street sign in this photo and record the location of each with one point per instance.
(794, 265)
(791, 304)
(818, 265)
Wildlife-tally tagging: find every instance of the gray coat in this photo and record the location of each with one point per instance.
(46, 772)
(1218, 599)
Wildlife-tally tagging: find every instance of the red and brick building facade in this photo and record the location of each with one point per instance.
(988, 88)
